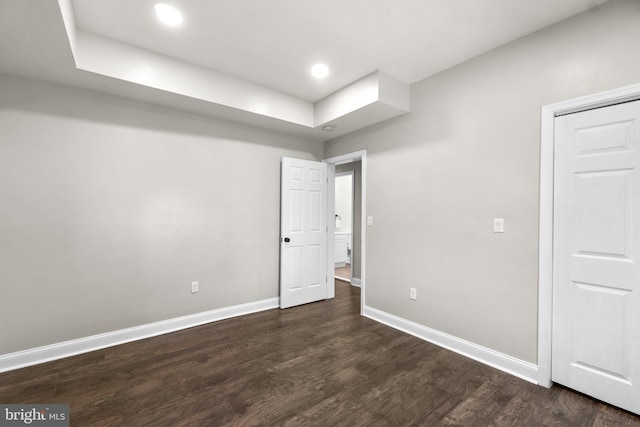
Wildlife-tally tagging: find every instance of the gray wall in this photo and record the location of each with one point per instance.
(356, 168)
(110, 208)
(469, 152)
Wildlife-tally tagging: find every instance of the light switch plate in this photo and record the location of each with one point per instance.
(369, 221)
(498, 225)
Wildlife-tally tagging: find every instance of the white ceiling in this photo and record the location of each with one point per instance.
(274, 43)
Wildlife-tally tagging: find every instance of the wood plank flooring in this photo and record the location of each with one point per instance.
(343, 272)
(321, 364)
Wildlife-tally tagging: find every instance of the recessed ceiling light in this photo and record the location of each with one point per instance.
(168, 14)
(319, 71)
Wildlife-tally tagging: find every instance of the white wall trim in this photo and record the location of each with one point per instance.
(545, 242)
(34, 356)
(346, 158)
(356, 282)
(511, 365)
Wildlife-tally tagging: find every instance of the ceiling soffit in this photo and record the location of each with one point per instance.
(369, 100)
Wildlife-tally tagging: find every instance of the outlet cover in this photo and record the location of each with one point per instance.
(413, 294)
(195, 287)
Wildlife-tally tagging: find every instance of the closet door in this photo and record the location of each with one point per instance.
(596, 281)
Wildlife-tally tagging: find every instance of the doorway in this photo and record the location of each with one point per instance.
(345, 220)
(349, 239)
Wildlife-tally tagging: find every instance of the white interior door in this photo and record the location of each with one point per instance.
(303, 243)
(596, 276)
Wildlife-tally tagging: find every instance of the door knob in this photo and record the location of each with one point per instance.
(287, 240)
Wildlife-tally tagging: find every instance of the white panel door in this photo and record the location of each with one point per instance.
(596, 274)
(303, 243)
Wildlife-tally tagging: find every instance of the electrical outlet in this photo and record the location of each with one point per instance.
(195, 287)
(369, 221)
(498, 225)
(413, 294)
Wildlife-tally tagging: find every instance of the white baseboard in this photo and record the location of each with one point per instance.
(525, 370)
(356, 282)
(34, 356)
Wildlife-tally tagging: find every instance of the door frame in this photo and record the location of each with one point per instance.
(545, 238)
(339, 160)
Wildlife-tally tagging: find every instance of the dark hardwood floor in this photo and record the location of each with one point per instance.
(319, 364)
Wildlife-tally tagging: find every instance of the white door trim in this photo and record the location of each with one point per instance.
(339, 160)
(331, 230)
(545, 241)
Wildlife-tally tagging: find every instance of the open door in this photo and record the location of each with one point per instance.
(303, 240)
